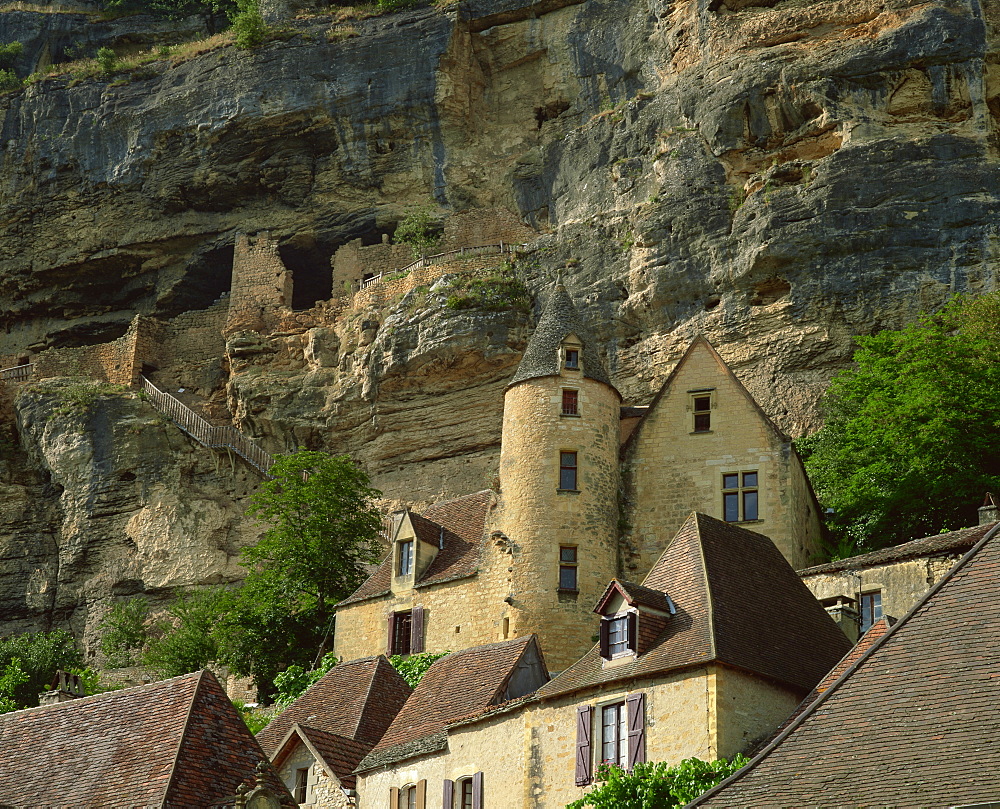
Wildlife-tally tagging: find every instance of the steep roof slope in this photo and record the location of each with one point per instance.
(177, 742)
(737, 602)
(542, 357)
(463, 520)
(455, 687)
(914, 722)
(357, 700)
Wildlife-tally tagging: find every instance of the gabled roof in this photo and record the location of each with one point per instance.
(339, 755)
(179, 742)
(543, 356)
(701, 343)
(356, 700)
(463, 521)
(737, 602)
(902, 724)
(635, 595)
(954, 542)
(455, 687)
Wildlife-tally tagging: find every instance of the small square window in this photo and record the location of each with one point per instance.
(567, 568)
(572, 359)
(570, 403)
(567, 471)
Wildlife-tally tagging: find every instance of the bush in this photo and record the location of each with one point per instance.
(13, 676)
(183, 642)
(249, 29)
(123, 631)
(108, 61)
(387, 6)
(39, 656)
(414, 667)
(498, 292)
(418, 227)
(294, 680)
(9, 83)
(9, 53)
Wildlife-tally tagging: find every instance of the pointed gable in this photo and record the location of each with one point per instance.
(338, 755)
(559, 321)
(178, 742)
(913, 722)
(737, 602)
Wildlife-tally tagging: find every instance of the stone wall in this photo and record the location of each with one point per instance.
(261, 284)
(323, 791)
(355, 261)
(193, 347)
(748, 709)
(671, 470)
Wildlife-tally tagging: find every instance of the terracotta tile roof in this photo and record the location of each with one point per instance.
(637, 595)
(463, 521)
(737, 602)
(357, 700)
(543, 357)
(913, 722)
(179, 742)
(338, 754)
(954, 542)
(455, 687)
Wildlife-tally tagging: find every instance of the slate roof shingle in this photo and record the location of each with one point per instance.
(954, 542)
(919, 709)
(463, 520)
(455, 687)
(543, 356)
(728, 586)
(179, 742)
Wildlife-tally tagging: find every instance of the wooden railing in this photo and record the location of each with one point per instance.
(204, 432)
(485, 250)
(19, 373)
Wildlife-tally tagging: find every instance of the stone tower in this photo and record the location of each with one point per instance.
(559, 479)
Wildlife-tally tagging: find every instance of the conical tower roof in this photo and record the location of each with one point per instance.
(543, 356)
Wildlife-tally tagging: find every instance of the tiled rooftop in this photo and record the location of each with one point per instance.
(737, 602)
(179, 742)
(913, 722)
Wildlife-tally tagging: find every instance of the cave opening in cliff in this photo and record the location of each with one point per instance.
(207, 276)
(312, 278)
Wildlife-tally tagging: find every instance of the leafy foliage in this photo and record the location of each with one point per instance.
(497, 292)
(9, 82)
(386, 6)
(255, 718)
(414, 667)
(294, 680)
(248, 26)
(418, 227)
(209, 10)
(39, 656)
(655, 785)
(13, 676)
(9, 53)
(184, 641)
(909, 445)
(123, 631)
(108, 60)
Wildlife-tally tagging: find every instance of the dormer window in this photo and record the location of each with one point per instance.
(406, 558)
(622, 607)
(572, 362)
(619, 635)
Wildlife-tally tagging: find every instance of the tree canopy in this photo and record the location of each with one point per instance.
(29, 661)
(912, 429)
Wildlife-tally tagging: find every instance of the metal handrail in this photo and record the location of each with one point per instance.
(18, 373)
(203, 431)
(420, 263)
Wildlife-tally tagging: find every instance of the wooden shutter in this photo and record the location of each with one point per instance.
(394, 798)
(422, 793)
(417, 630)
(583, 757)
(477, 791)
(392, 634)
(605, 638)
(635, 704)
(632, 625)
(448, 794)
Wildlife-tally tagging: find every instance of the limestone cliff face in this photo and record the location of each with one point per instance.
(779, 176)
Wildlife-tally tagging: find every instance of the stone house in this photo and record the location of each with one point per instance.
(318, 740)
(588, 490)
(179, 742)
(690, 663)
(913, 721)
(861, 589)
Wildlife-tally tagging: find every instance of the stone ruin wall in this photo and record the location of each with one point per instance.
(261, 287)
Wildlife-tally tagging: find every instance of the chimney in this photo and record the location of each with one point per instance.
(844, 611)
(988, 511)
(64, 687)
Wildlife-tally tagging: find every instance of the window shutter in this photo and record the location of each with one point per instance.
(583, 757)
(421, 793)
(477, 791)
(417, 630)
(605, 638)
(635, 703)
(448, 794)
(394, 798)
(392, 632)
(633, 632)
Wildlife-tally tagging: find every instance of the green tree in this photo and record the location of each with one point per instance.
(418, 227)
(322, 536)
(655, 785)
(185, 641)
(294, 680)
(13, 676)
(123, 631)
(248, 26)
(10, 53)
(912, 429)
(39, 656)
(414, 667)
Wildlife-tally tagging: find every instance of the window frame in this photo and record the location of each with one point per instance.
(407, 552)
(871, 603)
(570, 403)
(466, 788)
(301, 785)
(401, 638)
(630, 619)
(704, 414)
(570, 566)
(620, 740)
(571, 358)
(743, 496)
(565, 469)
